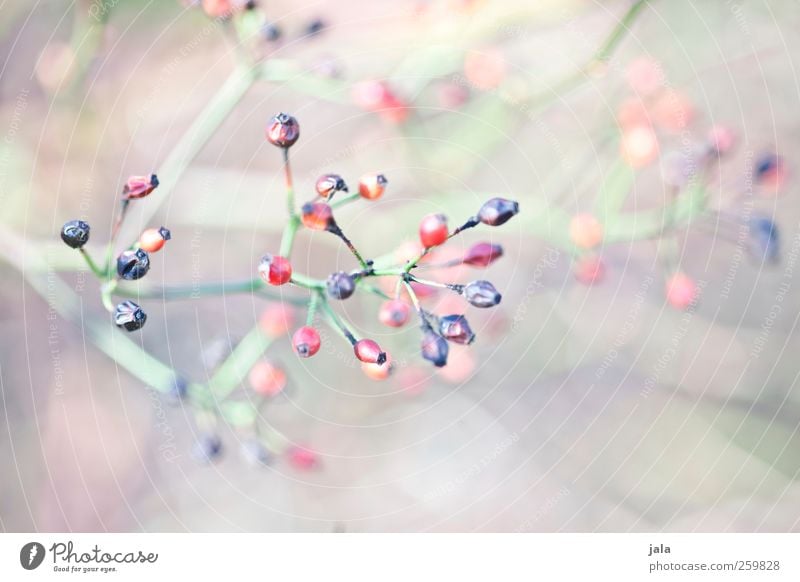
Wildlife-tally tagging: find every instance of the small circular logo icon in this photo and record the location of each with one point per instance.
(31, 555)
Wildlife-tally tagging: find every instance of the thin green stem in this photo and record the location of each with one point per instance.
(98, 272)
(237, 365)
(336, 229)
(109, 270)
(312, 308)
(619, 32)
(307, 282)
(288, 236)
(196, 291)
(334, 320)
(287, 176)
(346, 200)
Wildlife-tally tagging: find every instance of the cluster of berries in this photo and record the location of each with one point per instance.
(131, 264)
(283, 131)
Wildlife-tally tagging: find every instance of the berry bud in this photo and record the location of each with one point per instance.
(433, 230)
(481, 294)
(482, 254)
(139, 186)
(267, 379)
(276, 320)
(497, 211)
(434, 348)
(133, 264)
(75, 233)
(330, 184)
(153, 239)
(340, 285)
(370, 352)
(455, 328)
(764, 240)
(372, 186)
(394, 313)
(681, 291)
(275, 270)
(283, 130)
(317, 216)
(130, 316)
(306, 341)
(207, 448)
(255, 453)
(585, 231)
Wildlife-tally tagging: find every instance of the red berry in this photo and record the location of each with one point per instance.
(372, 186)
(585, 231)
(306, 341)
(275, 270)
(153, 239)
(267, 379)
(317, 216)
(394, 313)
(276, 320)
(369, 351)
(482, 254)
(330, 184)
(433, 230)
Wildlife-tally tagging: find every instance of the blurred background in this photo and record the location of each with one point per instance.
(602, 394)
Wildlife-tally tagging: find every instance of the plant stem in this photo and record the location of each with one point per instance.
(307, 282)
(346, 200)
(312, 308)
(196, 291)
(237, 365)
(335, 322)
(288, 236)
(335, 229)
(109, 271)
(98, 272)
(287, 175)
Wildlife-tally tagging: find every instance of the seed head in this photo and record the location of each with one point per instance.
(369, 352)
(481, 294)
(434, 348)
(275, 270)
(372, 186)
(139, 186)
(340, 285)
(75, 233)
(394, 313)
(497, 211)
(433, 230)
(306, 341)
(283, 130)
(133, 264)
(329, 184)
(317, 216)
(129, 315)
(153, 239)
(482, 254)
(455, 328)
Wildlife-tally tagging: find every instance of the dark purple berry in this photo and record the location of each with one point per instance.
(207, 448)
(75, 233)
(178, 390)
(481, 294)
(455, 328)
(315, 27)
(271, 32)
(764, 240)
(434, 348)
(340, 285)
(129, 316)
(497, 211)
(133, 264)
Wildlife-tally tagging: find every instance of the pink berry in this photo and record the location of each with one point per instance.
(306, 341)
(302, 458)
(681, 291)
(369, 352)
(394, 313)
(590, 270)
(585, 231)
